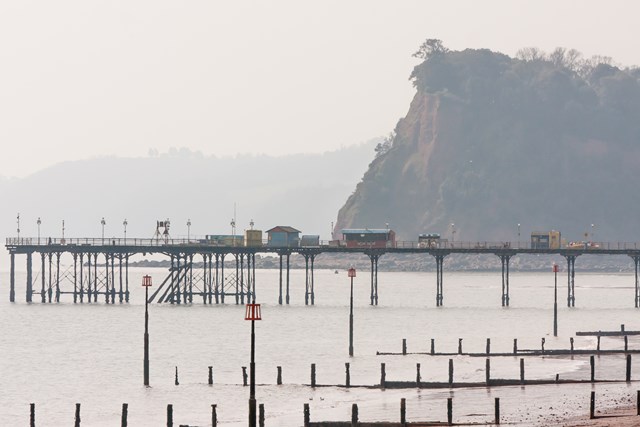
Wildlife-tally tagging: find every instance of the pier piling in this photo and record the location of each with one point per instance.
(32, 412)
(347, 381)
(214, 415)
(210, 375)
(279, 379)
(169, 415)
(313, 375)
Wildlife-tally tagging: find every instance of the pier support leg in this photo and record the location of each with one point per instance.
(287, 281)
(571, 274)
(42, 278)
(222, 278)
(12, 289)
(58, 277)
(504, 259)
(75, 278)
(306, 279)
(241, 280)
(313, 292)
(636, 260)
(439, 279)
(126, 278)
(29, 278)
(280, 287)
(81, 277)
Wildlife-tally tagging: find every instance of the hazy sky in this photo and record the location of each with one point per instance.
(92, 78)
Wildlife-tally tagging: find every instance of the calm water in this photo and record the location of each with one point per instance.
(58, 354)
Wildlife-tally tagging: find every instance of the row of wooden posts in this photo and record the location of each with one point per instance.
(418, 382)
(125, 415)
(515, 352)
(307, 414)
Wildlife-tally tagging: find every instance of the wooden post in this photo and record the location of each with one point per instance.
(214, 416)
(307, 415)
(592, 405)
(313, 375)
(450, 372)
(404, 346)
(347, 380)
(433, 346)
(418, 377)
(354, 415)
(77, 423)
(125, 414)
(450, 410)
(403, 412)
(592, 362)
(598, 349)
(571, 342)
(459, 345)
(488, 370)
(169, 415)
(497, 411)
(488, 345)
(515, 346)
(521, 370)
(628, 377)
(32, 412)
(176, 381)
(279, 379)
(383, 375)
(622, 328)
(557, 378)
(542, 344)
(261, 415)
(210, 375)
(638, 403)
(626, 343)
(244, 376)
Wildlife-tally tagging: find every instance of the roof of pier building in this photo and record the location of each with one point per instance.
(283, 229)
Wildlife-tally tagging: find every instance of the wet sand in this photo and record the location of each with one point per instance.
(618, 417)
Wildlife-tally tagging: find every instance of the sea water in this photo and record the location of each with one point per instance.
(57, 355)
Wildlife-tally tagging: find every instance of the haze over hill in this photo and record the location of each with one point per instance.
(550, 141)
(303, 190)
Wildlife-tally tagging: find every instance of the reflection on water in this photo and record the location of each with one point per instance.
(57, 355)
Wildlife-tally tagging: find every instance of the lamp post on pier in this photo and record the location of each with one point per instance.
(103, 222)
(39, 221)
(146, 282)
(518, 235)
(351, 275)
(252, 313)
(188, 230)
(555, 300)
(124, 224)
(18, 226)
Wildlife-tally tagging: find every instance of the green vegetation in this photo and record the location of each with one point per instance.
(548, 140)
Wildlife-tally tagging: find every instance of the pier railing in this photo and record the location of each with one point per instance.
(197, 241)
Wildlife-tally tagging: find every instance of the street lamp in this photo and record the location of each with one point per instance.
(188, 229)
(518, 235)
(103, 222)
(146, 282)
(555, 300)
(63, 231)
(233, 230)
(252, 313)
(124, 224)
(351, 275)
(592, 226)
(453, 232)
(38, 222)
(18, 225)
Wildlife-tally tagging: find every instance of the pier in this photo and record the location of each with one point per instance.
(100, 267)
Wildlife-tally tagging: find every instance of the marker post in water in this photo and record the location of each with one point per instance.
(146, 282)
(555, 300)
(352, 274)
